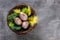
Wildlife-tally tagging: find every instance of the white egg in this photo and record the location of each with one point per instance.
(23, 16)
(25, 24)
(18, 21)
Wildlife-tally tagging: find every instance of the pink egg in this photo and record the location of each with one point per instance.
(23, 16)
(25, 24)
(18, 21)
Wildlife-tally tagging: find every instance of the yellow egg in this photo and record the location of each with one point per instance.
(17, 10)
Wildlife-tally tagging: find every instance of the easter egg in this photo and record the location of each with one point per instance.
(25, 24)
(18, 21)
(23, 16)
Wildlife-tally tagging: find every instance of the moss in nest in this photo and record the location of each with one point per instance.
(27, 10)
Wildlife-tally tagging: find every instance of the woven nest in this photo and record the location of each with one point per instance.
(30, 28)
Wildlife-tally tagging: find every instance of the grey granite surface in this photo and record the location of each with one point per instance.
(48, 27)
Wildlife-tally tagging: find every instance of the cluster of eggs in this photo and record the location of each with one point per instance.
(22, 20)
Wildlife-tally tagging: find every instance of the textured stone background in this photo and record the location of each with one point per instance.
(48, 27)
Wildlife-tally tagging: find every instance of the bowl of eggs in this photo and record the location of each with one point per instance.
(22, 19)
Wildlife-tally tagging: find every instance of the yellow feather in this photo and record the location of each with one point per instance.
(17, 10)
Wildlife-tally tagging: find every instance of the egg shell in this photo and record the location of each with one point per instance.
(25, 24)
(23, 16)
(18, 21)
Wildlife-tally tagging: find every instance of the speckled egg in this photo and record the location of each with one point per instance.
(18, 21)
(25, 24)
(23, 16)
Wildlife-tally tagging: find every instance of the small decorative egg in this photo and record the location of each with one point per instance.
(23, 16)
(18, 21)
(25, 24)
